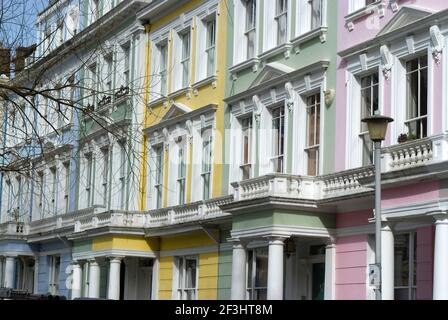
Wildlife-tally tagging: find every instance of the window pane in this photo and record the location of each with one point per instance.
(316, 14)
(190, 273)
(261, 265)
(402, 260)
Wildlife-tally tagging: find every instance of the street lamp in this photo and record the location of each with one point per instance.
(377, 126)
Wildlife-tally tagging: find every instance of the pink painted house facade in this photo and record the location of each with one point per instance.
(392, 60)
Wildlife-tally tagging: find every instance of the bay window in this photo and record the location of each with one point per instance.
(369, 107)
(206, 165)
(278, 136)
(210, 48)
(257, 273)
(313, 133)
(250, 30)
(187, 272)
(247, 131)
(405, 266)
(417, 97)
(281, 19)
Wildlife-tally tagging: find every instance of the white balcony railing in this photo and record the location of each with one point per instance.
(275, 185)
(415, 153)
(188, 213)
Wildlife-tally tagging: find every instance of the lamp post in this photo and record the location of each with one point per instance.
(377, 126)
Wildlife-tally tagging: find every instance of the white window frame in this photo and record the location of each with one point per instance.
(180, 291)
(89, 179)
(251, 273)
(158, 175)
(122, 176)
(126, 72)
(105, 175)
(91, 82)
(357, 5)
(364, 134)
(181, 180)
(66, 166)
(411, 287)
(419, 118)
(53, 189)
(54, 272)
(276, 157)
(210, 44)
(243, 31)
(109, 73)
(186, 58)
(207, 164)
(316, 144)
(162, 49)
(251, 29)
(247, 166)
(282, 14)
(355, 71)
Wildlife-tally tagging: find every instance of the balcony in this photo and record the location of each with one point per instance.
(415, 153)
(14, 230)
(193, 212)
(302, 187)
(123, 219)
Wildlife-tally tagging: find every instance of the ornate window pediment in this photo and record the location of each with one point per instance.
(271, 71)
(404, 17)
(176, 110)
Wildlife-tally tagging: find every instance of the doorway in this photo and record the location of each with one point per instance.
(318, 281)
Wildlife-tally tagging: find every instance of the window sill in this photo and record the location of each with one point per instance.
(363, 12)
(320, 32)
(210, 80)
(251, 63)
(284, 48)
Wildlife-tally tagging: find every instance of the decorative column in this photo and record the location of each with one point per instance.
(94, 279)
(10, 272)
(330, 270)
(114, 278)
(238, 271)
(76, 280)
(36, 275)
(440, 283)
(387, 262)
(275, 268)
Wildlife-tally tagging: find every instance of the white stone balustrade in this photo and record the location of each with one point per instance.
(415, 153)
(274, 185)
(188, 213)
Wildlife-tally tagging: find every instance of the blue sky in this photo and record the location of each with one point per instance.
(17, 26)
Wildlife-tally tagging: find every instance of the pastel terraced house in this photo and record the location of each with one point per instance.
(218, 153)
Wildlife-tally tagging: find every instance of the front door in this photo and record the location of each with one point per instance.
(318, 281)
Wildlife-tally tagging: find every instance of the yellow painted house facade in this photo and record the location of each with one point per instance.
(183, 130)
